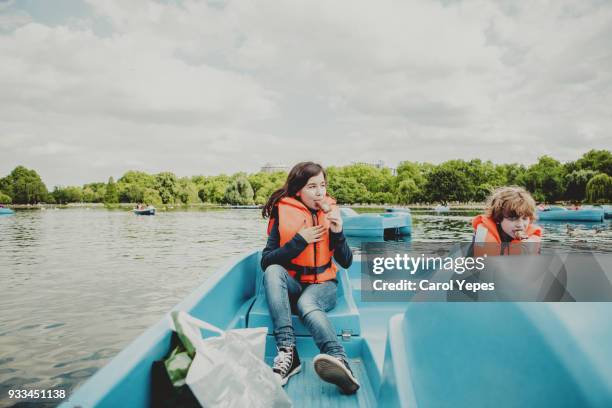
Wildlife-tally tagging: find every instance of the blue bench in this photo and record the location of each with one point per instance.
(344, 317)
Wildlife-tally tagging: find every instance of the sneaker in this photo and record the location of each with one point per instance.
(286, 363)
(336, 371)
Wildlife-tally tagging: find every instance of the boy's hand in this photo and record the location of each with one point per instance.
(335, 220)
(312, 234)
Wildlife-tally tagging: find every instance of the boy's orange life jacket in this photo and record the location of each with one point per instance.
(487, 240)
(314, 264)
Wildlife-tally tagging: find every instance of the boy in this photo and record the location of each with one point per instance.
(507, 226)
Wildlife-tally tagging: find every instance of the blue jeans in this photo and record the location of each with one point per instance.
(311, 301)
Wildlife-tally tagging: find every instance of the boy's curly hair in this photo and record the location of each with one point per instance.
(510, 202)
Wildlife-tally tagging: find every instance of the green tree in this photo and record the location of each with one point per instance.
(213, 191)
(132, 186)
(482, 192)
(514, 174)
(575, 184)
(373, 179)
(187, 191)
(167, 187)
(139, 178)
(484, 174)
(596, 160)
(65, 195)
(264, 184)
(545, 179)
(5, 198)
(449, 182)
(131, 193)
(24, 186)
(94, 192)
(239, 191)
(111, 195)
(599, 189)
(410, 182)
(347, 190)
(407, 191)
(151, 196)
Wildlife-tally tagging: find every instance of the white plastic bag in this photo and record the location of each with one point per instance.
(229, 370)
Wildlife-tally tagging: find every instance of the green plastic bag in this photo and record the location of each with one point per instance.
(177, 365)
(178, 362)
(167, 376)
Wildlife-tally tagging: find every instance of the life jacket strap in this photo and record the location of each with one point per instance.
(309, 270)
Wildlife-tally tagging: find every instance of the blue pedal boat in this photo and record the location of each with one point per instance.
(404, 354)
(607, 211)
(6, 211)
(375, 225)
(144, 211)
(556, 213)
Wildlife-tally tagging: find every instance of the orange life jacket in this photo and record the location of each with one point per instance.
(315, 263)
(487, 240)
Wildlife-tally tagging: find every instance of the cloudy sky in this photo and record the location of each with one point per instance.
(90, 89)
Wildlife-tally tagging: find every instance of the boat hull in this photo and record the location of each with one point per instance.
(377, 225)
(548, 353)
(6, 211)
(586, 215)
(147, 211)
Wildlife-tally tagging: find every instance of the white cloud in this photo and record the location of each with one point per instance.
(200, 88)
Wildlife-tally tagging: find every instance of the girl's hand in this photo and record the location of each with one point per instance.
(335, 220)
(312, 234)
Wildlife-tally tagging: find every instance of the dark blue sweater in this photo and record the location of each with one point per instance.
(274, 254)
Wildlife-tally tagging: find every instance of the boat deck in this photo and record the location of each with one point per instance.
(307, 390)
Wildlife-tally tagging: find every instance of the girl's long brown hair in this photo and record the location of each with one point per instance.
(296, 180)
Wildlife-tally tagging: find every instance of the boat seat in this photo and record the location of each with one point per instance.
(509, 355)
(344, 317)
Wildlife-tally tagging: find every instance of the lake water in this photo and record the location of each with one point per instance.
(78, 285)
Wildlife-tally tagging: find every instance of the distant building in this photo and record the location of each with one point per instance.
(271, 168)
(379, 165)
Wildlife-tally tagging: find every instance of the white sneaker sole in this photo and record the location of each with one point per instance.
(331, 370)
(292, 373)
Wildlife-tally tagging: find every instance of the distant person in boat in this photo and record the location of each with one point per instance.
(508, 221)
(305, 237)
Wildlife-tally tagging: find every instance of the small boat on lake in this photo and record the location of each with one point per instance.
(557, 213)
(6, 211)
(404, 354)
(144, 211)
(375, 224)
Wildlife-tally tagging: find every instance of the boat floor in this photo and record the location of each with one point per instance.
(306, 389)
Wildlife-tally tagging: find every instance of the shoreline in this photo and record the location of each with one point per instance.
(130, 206)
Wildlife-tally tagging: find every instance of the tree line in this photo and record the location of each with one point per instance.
(586, 180)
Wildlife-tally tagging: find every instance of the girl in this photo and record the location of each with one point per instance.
(304, 234)
(508, 220)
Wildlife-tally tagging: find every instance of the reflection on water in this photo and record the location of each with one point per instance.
(79, 285)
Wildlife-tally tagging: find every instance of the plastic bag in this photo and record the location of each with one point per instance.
(168, 387)
(229, 370)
